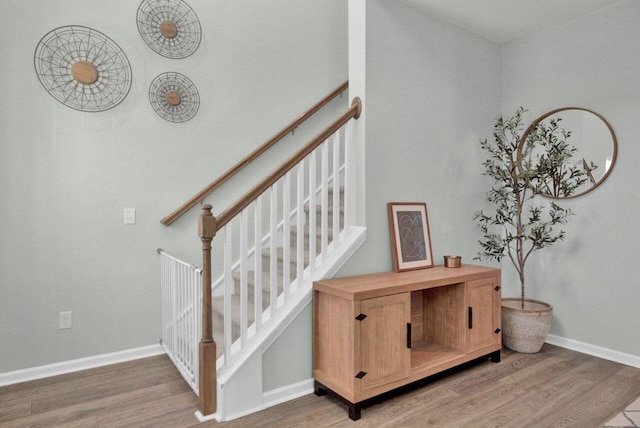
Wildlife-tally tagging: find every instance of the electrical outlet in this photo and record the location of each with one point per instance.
(129, 216)
(64, 320)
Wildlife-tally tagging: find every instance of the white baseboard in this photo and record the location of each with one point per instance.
(70, 366)
(277, 396)
(596, 351)
(289, 392)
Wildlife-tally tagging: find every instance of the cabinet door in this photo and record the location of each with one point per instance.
(385, 340)
(483, 314)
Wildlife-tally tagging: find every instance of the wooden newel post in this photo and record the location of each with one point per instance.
(207, 364)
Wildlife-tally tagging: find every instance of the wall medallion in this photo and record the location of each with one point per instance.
(82, 68)
(174, 97)
(170, 27)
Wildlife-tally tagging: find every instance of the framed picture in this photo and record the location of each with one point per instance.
(410, 240)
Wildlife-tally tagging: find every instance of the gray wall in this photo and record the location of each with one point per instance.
(432, 90)
(591, 62)
(66, 176)
(288, 359)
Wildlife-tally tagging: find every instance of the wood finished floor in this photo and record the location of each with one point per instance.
(554, 388)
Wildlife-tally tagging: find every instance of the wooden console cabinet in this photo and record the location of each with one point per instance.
(375, 333)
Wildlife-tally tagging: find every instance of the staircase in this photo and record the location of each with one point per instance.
(321, 253)
(291, 229)
(266, 277)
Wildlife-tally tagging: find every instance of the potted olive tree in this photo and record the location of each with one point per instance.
(523, 167)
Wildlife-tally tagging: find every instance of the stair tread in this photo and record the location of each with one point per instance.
(218, 301)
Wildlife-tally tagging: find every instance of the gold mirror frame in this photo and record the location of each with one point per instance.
(614, 141)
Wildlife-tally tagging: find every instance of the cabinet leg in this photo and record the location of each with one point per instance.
(495, 357)
(355, 411)
(317, 389)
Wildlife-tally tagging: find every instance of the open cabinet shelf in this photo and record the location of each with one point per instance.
(427, 354)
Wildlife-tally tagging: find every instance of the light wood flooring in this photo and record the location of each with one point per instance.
(554, 388)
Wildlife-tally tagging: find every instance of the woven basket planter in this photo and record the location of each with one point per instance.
(525, 330)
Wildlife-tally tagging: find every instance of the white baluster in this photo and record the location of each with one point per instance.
(257, 271)
(198, 325)
(286, 235)
(244, 295)
(228, 291)
(190, 320)
(300, 224)
(174, 311)
(312, 212)
(187, 315)
(324, 197)
(168, 314)
(336, 189)
(167, 310)
(182, 305)
(163, 294)
(273, 256)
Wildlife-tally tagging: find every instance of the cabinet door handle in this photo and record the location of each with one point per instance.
(470, 316)
(497, 288)
(409, 335)
(497, 330)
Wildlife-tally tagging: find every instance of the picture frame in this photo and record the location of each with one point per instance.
(410, 238)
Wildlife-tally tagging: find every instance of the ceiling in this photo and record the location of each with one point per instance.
(505, 20)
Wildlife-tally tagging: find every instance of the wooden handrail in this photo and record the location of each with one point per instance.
(193, 201)
(352, 113)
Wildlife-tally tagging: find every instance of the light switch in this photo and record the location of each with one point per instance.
(129, 216)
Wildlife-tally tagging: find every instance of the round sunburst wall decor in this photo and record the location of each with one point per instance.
(82, 68)
(174, 97)
(170, 27)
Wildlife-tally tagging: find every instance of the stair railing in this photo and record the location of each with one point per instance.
(331, 149)
(194, 200)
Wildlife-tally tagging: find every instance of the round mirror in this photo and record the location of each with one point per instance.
(575, 149)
